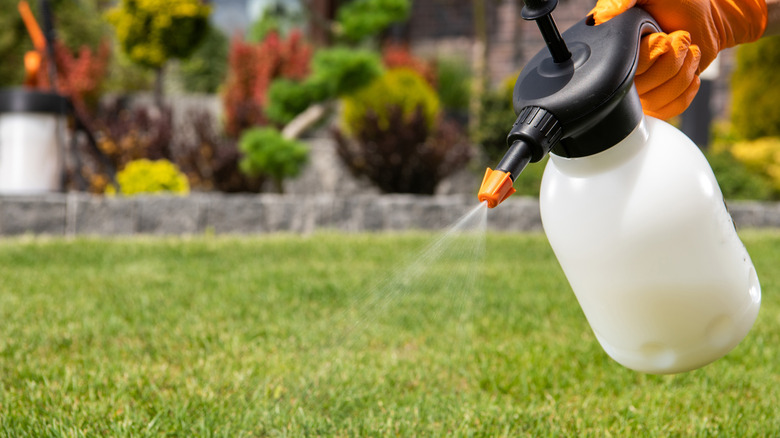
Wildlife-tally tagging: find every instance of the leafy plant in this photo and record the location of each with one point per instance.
(392, 134)
(761, 156)
(399, 56)
(210, 159)
(736, 180)
(205, 70)
(361, 19)
(343, 70)
(150, 32)
(495, 120)
(153, 31)
(252, 68)
(335, 72)
(399, 89)
(453, 83)
(755, 89)
(146, 176)
(266, 152)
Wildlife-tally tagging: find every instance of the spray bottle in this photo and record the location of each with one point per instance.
(629, 204)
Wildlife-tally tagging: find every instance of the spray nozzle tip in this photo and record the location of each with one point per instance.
(496, 187)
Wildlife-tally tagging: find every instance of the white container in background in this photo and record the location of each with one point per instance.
(32, 127)
(644, 238)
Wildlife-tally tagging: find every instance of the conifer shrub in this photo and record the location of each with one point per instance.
(267, 153)
(392, 133)
(397, 90)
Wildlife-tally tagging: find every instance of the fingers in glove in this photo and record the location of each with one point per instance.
(661, 57)
(676, 106)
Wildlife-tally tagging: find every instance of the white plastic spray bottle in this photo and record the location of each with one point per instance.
(629, 204)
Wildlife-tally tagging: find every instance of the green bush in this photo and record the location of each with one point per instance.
(343, 70)
(152, 31)
(335, 72)
(736, 180)
(496, 117)
(287, 99)
(267, 153)
(755, 86)
(205, 70)
(453, 84)
(146, 176)
(398, 88)
(361, 19)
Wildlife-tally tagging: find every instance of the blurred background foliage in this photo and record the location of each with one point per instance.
(270, 76)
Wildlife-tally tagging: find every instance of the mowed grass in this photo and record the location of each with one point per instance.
(343, 335)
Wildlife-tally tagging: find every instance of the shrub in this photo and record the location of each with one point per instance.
(343, 70)
(736, 180)
(152, 31)
(266, 152)
(252, 68)
(761, 156)
(495, 120)
(453, 84)
(756, 89)
(397, 90)
(205, 70)
(361, 19)
(335, 72)
(146, 176)
(398, 56)
(211, 160)
(393, 135)
(403, 155)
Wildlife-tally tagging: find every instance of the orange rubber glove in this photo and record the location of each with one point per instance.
(694, 31)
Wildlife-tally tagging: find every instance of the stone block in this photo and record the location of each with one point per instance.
(164, 214)
(240, 214)
(99, 215)
(37, 214)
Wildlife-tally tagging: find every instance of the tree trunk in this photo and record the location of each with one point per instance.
(159, 80)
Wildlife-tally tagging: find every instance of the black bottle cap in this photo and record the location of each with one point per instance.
(591, 95)
(23, 100)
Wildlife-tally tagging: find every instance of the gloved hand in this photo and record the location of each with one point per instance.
(694, 31)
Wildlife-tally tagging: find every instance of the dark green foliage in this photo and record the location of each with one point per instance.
(266, 152)
(495, 120)
(344, 70)
(335, 72)
(205, 70)
(288, 98)
(736, 181)
(361, 19)
(405, 156)
(453, 84)
(755, 85)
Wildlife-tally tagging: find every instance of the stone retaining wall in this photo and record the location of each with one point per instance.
(83, 214)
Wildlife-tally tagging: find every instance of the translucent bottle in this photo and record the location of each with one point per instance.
(628, 202)
(650, 250)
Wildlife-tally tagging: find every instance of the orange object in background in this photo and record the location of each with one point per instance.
(34, 58)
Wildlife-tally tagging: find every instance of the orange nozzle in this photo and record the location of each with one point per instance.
(496, 187)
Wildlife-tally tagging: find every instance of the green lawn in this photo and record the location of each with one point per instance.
(343, 335)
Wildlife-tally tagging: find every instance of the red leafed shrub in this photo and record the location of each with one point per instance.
(399, 56)
(79, 76)
(252, 68)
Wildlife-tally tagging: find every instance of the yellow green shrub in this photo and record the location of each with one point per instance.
(762, 156)
(397, 88)
(146, 176)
